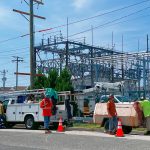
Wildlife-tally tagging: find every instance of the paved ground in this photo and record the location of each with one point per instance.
(22, 139)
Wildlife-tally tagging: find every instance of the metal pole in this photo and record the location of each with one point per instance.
(67, 28)
(122, 60)
(92, 35)
(31, 46)
(112, 66)
(17, 74)
(92, 69)
(147, 44)
(147, 66)
(67, 46)
(4, 78)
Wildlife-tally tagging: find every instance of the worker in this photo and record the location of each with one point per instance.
(68, 108)
(46, 106)
(1, 115)
(140, 114)
(112, 114)
(145, 107)
(54, 108)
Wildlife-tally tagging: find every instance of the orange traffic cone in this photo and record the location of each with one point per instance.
(60, 126)
(119, 132)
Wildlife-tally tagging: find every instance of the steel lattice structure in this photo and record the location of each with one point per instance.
(89, 64)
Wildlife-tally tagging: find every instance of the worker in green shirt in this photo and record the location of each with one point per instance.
(145, 107)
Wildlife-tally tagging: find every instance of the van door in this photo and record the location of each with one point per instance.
(19, 112)
(33, 109)
(11, 112)
(92, 105)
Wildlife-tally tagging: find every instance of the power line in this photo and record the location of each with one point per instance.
(93, 16)
(109, 22)
(15, 49)
(109, 12)
(10, 54)
(6, 56)
(77, 38)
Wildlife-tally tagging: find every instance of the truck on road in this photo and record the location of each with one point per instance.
(30, 114)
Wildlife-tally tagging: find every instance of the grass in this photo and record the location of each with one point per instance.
(86, 125)
(139, 129)
(96, 127)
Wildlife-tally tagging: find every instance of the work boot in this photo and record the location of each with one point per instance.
(47, 131)
(111, 133)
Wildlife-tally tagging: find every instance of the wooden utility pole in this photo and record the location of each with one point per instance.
(32, 51)
(17, 60)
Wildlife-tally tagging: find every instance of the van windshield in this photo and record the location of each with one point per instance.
(123, 98)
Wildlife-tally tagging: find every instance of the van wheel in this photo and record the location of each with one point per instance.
(29, 123)
(126, 129)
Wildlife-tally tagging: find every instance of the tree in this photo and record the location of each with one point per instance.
(40, 81)
(60, 83)
(52, 78)
(64, 81)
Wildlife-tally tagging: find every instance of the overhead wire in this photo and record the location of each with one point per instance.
(44, 30)
(76, 38)
(15, 49)
(109, 22)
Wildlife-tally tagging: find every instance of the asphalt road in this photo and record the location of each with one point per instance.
(22, 139)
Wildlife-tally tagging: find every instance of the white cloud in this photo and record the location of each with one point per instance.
(3, 13)
(80, 3)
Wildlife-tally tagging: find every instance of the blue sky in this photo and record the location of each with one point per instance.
(133, 28)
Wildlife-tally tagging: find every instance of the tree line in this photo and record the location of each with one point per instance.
(59, 82)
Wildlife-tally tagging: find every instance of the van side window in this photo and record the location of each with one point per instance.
(104, 99)
(115, 100)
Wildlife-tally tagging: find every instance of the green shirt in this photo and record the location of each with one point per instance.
(145, 105)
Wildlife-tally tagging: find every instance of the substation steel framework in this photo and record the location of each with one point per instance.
(89, 64)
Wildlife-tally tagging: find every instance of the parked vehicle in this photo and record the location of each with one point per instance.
(17, 111)
(31, 115)
(126, 112)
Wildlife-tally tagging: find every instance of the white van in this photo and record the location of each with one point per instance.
(31, 114)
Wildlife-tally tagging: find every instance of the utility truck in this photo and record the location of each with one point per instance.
(17, 111)
(89, 97)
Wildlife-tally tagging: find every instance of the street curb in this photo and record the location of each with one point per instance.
(83, 129)
(134, 132)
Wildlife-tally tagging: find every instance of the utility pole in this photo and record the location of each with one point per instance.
(112, 65)
(147, 44)
(32, 61)
(4, 78)
(67, 45)
(122, 59)
(92, 53)
(32, 50)
(17, 60)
